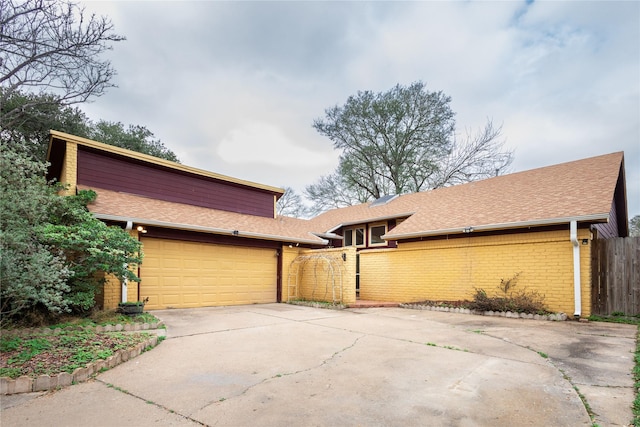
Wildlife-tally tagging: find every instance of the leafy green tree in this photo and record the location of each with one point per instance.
(55, 254)
(634, 226)
(402, 141)
(34, 116)
(30, 128)
(135, 137)
(32, 273)
(389, 140)
(90, 247)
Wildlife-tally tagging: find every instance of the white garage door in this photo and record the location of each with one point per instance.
(181, 274)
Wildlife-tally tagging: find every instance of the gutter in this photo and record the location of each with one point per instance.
(573, 236)
(211, 230)
(603, 217)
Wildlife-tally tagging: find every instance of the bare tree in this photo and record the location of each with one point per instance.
(291, 204)
(478, 157)
(53, 47)
(332, 191)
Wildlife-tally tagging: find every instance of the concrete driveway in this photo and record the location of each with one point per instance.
(284, 365)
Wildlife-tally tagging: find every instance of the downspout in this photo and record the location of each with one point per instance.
(280, 255)
(124, 280)
(573, 233)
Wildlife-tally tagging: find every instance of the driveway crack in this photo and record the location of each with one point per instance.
(287, 374)
(149, 402)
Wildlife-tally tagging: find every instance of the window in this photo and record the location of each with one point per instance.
(376, 232)
(354, 237)
(348, 237)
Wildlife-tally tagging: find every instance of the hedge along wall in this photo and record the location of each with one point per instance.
(450, 270)
(313, 272)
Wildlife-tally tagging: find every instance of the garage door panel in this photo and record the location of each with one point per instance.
(189, 274)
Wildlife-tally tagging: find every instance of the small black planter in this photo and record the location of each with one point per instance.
(131, 308)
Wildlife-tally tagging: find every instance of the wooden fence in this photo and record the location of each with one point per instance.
(615, 277)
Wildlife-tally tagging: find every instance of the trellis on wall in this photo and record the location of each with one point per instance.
(316, 277)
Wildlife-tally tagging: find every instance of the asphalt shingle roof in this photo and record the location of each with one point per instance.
(120, 206)
(582, 189)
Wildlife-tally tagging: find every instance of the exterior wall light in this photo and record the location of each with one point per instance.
(141, 229)
(468, 230)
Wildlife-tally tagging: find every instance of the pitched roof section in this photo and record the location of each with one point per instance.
(158, 161)
(117, 206)
(582, 190)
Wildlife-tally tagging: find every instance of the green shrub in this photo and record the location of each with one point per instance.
(55, 253)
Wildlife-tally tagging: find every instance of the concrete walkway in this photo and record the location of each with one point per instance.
(284, 365)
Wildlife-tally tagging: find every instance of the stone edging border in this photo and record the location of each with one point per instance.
(25, 384)
(558, 317)
(127, 327)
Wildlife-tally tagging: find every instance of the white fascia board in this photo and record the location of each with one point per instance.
(211, 230)
(369, 220)
(502, 226)
(329, 236)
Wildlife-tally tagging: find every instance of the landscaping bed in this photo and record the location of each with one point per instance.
(33, 359)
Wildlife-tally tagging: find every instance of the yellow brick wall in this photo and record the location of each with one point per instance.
(288, 255)
(69, 173)
(451, 269)
(111, 294)
(311, 274)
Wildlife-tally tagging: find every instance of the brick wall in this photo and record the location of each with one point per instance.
(69, 172)
(451, 269)
(314, 273)
(288, 255)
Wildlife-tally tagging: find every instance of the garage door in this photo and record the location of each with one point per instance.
(187, 274)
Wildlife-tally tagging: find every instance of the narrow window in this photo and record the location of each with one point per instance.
(348, 237)
(359, 236)
(375, 234)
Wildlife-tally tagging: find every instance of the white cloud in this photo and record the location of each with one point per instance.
(262, 143)
(233, 87)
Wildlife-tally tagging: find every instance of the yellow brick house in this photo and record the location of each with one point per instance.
(443, 244)
(210, 239)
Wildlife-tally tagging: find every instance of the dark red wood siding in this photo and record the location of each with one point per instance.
(98, 170)
(193, 236)
(609, 229)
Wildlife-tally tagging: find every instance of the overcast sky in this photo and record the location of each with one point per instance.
(233, 87)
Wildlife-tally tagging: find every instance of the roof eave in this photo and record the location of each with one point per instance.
(368, 220)
(211, 230)
(602, 217)
(329, 236)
